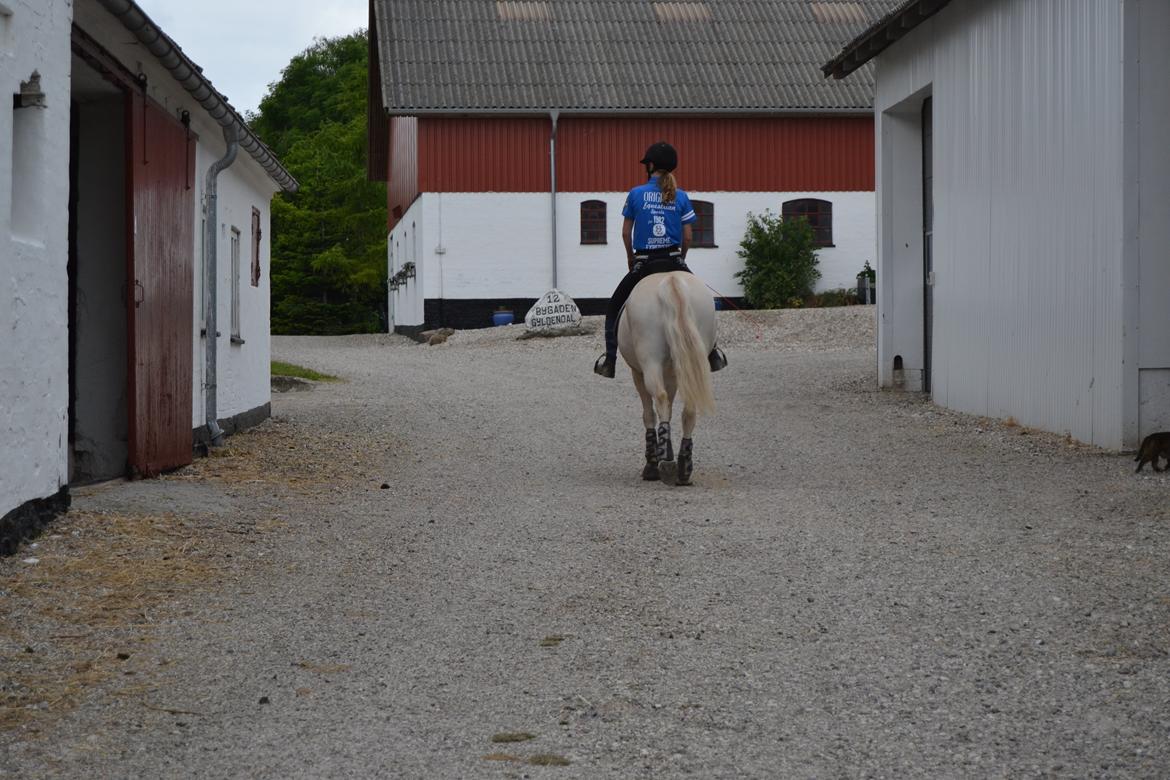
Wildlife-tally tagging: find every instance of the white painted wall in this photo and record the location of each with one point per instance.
(498, 245)
(243, 380)
(408, 243)
(1028, 228)
(34, 291)
(593, 271)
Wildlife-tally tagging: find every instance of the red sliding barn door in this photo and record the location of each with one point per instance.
(161, 192)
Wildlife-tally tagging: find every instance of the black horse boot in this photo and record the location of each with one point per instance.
(716, 359)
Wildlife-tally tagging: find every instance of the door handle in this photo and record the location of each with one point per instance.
(139, 293)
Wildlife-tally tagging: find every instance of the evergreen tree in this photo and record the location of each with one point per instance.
(328, 239)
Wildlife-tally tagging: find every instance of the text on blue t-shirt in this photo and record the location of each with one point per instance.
(657, 225)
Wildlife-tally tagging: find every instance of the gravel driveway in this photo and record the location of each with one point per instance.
(447, 566)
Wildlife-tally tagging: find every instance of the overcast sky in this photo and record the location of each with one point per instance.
(242, 45)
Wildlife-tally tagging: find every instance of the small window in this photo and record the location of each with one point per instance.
(703, 229)
(28, 175)
(256, 233)
(235, 284)
(593, 222)
(819, 214)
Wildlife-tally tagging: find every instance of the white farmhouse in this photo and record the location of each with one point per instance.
(1023, 185)
(134, 255)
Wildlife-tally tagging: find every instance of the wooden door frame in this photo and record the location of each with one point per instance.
(136, 101)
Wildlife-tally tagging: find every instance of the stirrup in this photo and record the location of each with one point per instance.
(717, 359)
(604, 367)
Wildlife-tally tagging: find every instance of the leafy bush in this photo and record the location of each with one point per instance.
(779, 261)
(828, 298)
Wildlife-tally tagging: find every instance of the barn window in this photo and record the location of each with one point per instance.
(703, 229)
(593, 222)
(256, 233)
(819, 214)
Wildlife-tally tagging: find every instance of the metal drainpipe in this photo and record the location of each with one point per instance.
(210, 274)
(552, 162)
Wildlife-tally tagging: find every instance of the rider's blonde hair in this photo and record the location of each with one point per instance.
(667, 185)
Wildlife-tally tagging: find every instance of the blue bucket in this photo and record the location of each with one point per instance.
(502, 318)
(719, 304)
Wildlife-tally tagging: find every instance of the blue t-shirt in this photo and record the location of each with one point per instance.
(656, 224)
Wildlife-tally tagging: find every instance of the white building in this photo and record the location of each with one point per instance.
(1023, 184)
(510, 132)
(104, 199)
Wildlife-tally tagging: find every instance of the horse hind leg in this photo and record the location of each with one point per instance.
(658, 393)
(686, 465)
(650, 470)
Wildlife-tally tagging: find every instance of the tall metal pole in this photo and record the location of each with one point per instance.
(552, 162)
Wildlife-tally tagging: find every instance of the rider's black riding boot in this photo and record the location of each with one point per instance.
(606, 364)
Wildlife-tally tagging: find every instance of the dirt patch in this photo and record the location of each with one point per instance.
(77, 608)
(283, 454)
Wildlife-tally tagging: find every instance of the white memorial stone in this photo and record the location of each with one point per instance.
(553, 311)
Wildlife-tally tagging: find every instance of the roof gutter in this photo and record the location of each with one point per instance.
(191, 79)
(881, 35)
(210, 287)
(601, 112)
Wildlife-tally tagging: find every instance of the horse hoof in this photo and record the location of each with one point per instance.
(650, 473)
(668, 470)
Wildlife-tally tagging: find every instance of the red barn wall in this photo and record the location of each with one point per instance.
(765, 154)
(484, 155)
(402, 185)
(778, 154)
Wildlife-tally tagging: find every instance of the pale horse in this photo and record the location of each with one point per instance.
(666, 330)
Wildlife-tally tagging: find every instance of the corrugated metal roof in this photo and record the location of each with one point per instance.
(464, 56)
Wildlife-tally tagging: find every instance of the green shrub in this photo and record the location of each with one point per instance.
(828, 298)
(779, 261)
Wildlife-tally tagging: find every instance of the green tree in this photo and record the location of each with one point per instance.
(779, 261)
(328, 239)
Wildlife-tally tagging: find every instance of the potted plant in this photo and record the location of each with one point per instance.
(867, 284)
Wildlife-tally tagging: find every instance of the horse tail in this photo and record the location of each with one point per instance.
(687, 354)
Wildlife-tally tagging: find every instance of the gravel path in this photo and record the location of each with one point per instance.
(859, 584)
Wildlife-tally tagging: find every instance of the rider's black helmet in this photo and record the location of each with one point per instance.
(662, 156)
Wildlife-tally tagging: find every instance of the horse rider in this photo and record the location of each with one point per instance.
(657, 234)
